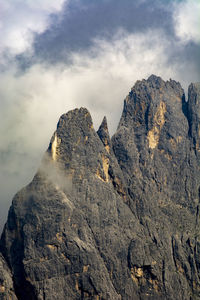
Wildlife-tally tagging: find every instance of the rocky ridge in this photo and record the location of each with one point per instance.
(112, 218)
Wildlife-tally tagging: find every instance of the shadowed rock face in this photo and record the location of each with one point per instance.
(6, 283)
(112, 218)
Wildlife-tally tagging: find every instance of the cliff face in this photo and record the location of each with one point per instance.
(112, 218)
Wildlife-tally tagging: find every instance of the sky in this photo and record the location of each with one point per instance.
(59, 55)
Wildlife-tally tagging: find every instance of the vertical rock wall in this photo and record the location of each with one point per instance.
(112, 218)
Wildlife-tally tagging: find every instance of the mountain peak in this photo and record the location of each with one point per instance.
(72, 128)
(104, 135)
(104, 124)
(155, 79)
(113, 219)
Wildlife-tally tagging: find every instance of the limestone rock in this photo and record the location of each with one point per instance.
(112, 218)
(6, 283)
(194, 113)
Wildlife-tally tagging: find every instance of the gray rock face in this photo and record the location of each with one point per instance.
(161, 167)
(6, 283)
(112, 218)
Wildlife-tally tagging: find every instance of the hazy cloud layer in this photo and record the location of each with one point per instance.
(90, 54)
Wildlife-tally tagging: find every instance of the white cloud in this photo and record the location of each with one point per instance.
(20, 19)
(187, 20)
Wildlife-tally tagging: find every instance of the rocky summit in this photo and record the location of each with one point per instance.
(112, 218)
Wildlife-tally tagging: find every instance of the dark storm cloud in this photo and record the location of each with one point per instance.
(84, 20)
(80, 22)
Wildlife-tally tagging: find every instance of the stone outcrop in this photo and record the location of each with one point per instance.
(112, 218)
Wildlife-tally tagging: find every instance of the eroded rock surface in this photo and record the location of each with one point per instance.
(112, 218)
(6, 283)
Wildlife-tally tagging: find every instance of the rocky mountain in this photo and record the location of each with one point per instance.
(112, 218)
